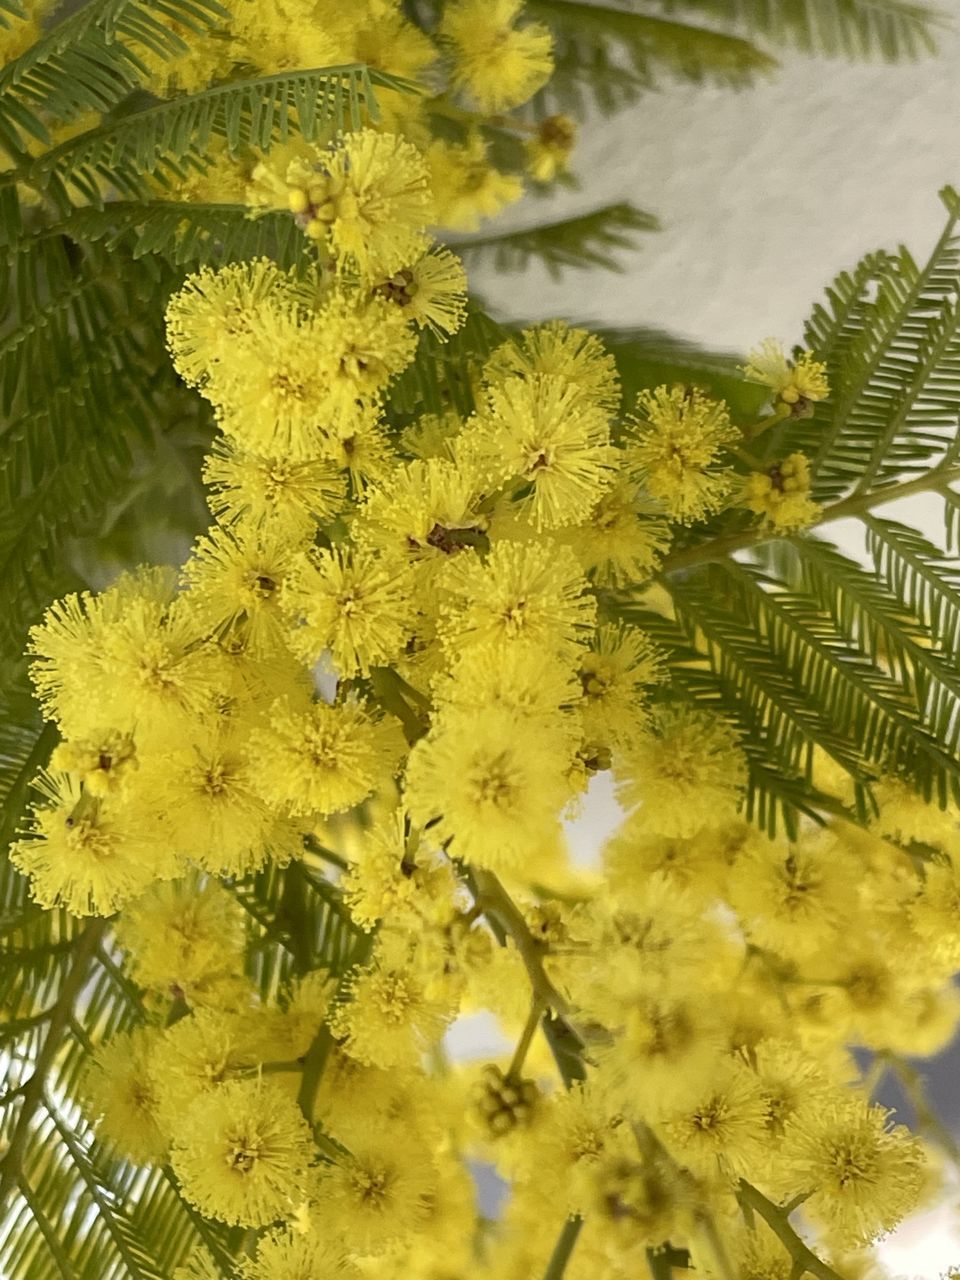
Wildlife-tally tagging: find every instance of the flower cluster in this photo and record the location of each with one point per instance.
(386, 675)
(457, 83)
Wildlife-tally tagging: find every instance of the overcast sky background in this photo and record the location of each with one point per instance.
(764, 196)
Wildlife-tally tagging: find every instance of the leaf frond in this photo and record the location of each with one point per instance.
(592, 239)
(254, 112)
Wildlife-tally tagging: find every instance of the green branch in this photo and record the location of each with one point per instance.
(563, 1249)
(854, 505)
(777, 1218)
(495, 901)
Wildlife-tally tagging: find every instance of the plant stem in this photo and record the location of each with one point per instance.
(911, 1082)
(563, 1249)
(313, 1065)
(855, 504)
(495, 901)
(526, 1039)
(777, 1219)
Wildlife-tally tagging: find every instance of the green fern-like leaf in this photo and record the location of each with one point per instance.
(593, 239)
(253, 112)
(191, 234)
(890, 337)
(89, 61)
(612, 53)
(891, 29)
(444, 373)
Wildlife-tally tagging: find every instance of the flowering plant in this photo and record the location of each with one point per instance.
(291, 811)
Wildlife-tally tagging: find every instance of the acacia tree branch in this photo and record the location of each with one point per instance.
(493, 898)
(777, 1218)
(854, 505)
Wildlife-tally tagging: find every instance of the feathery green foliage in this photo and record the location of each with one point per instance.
(889, 29)
(809, 649)
(588, 240)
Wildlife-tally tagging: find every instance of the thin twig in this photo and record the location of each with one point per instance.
(856, 504)
(777, 1219)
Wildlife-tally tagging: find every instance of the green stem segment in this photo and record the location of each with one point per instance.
(495, 901)
(854, 505)
(526, 1039)
(563, 1249)
(313, 1066)
(777, 1218)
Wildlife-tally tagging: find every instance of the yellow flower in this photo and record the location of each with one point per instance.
(242, 1154)
(208, 802)
(490, 783)
(496, 64)
(157, 673)
(213, 309)
(379, 1192)
(388, 876)
(723, 1131)
(791, 1080)
(271, 387)
(517, 680)
(292, 1255)
(87, 854)
(528, 594)
(103, 764)
(556, 349)
(195, 1055)
(754, 1252)
(118, 1092)
(666, 1051)
(864, 1175)
(323, 759)
(640, 1202)
(68, 649)
(389, 1020)
(360, 343)
(431, 292)
(793, 899)
(781, 494)
(548, 153)
(466, 186)
(543, 432)
(351, 603)
(364, 453)
(679, 436)
(307, 1003)
(687, 774)
(576, 1130)
(425, 511)
(798, 383)
(290, 496)
(615, 676)
(622, 540)
(234, 577)
(370, 200)
(185, 940)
